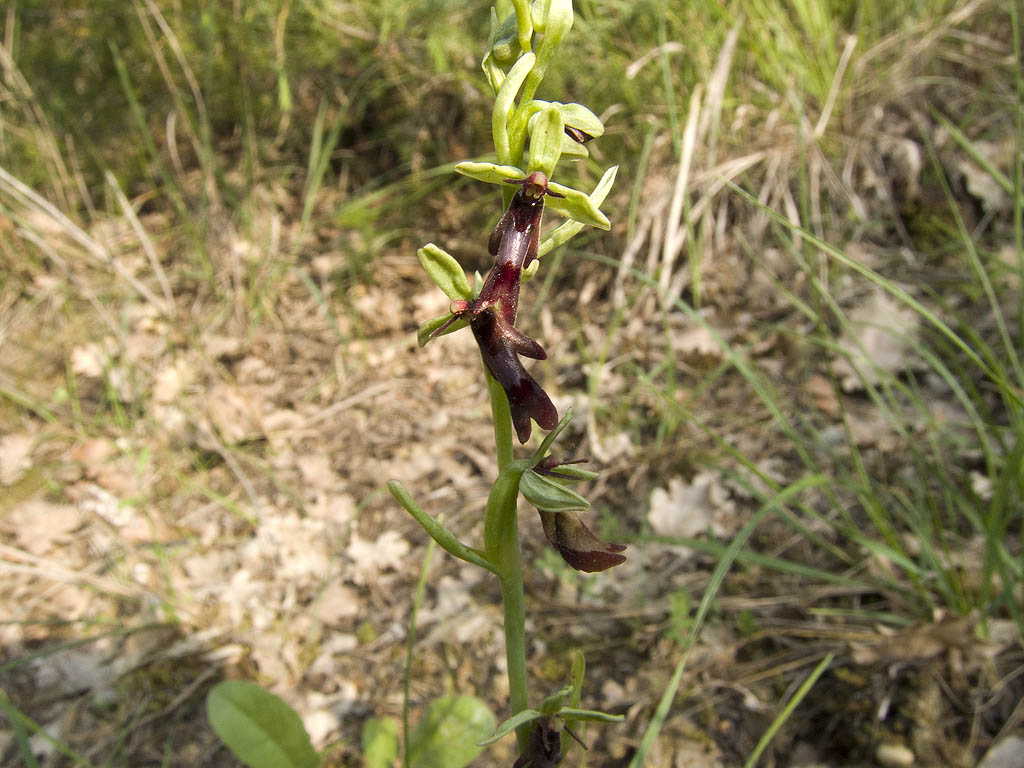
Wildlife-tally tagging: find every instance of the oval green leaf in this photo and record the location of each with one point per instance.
(380, 742)
(447, 735)
(259, 727)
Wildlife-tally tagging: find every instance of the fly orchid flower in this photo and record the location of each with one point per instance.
(531, 137)
(492, 314)
(558, 506)
(577, 544)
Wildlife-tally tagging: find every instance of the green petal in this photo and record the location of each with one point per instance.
(423, 336)
(589, 716)
(546, 134)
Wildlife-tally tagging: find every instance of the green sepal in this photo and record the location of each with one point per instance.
(589, 716)
(553, 704)
(575, 205)
(424, 334)
(520, 718)
(546, 134)
(549, 495)
(489, 172)
(570, 229)
(445, 271)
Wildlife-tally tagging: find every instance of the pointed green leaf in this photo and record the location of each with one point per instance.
(445, 271)
(447, 735)
(259, 727)
(380, 742)
(589, 716)
(550, 495)
(447, 540)
(423, 336)
(520, 718)
(575, 205)
(489, 172)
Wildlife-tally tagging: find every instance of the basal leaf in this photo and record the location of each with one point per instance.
(447, 735)
(259, 727)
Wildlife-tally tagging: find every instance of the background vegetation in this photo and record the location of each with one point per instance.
(798, 355)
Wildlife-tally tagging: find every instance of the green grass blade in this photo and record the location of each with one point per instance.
(714, 584)
(788, 710)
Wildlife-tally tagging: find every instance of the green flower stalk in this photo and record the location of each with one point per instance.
(531, 138)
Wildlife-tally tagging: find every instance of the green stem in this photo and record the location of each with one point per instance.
(502, 415)
(501, 547)
(515, 647)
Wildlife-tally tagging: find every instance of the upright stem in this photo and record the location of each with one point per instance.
(501, 546)
(515, 637)
(502, 415)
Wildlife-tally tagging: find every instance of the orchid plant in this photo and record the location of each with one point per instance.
(531, 137)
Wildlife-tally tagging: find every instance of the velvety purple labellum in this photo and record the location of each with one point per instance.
(500, 344)
(545, 747)
(577, 544)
